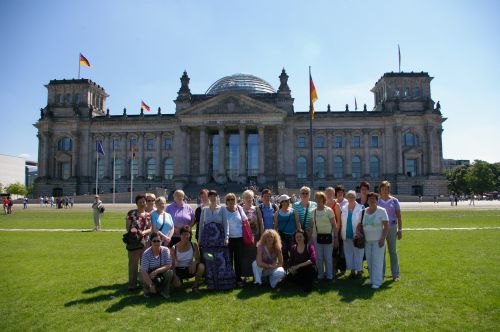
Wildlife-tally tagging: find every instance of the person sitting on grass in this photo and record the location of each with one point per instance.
(302, 268)
(186, 258)
(269, 262)
(156, 268)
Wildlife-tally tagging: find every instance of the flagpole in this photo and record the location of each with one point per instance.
(131, 177)
(79, 65)
(399, 58)
(97, 172)
(114, 172)
(311, 163)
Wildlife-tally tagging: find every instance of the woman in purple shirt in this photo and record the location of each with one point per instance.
(181, 213)
(302, 263)
(391, 205)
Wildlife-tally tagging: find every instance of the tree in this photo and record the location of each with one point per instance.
(457, 182)
(480, 177)
(16, 189)
(1, 187)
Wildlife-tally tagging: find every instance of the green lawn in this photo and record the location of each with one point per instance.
(77, 281)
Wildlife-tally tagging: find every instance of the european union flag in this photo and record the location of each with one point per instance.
(100, 148)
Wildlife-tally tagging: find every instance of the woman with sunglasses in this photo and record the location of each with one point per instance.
(156, 268)
(214, 238)
(150, 202)
(181, 213)
(304, 208)
(235, 217)
(286, 222)
(137, 221)
(162, 221)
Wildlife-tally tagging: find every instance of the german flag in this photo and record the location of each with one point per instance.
(313, 95)
(84, 61)
(144, 106)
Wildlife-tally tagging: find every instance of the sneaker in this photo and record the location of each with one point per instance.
(396, 278)
(375, 286)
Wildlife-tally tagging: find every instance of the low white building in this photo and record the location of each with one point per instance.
(12, 170)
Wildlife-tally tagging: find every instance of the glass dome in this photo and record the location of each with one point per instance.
(244, 83)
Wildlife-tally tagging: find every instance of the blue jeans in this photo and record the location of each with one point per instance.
(324, 257)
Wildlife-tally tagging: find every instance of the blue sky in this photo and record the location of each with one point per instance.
(139, 50)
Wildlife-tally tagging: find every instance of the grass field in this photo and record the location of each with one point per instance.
(77, 281)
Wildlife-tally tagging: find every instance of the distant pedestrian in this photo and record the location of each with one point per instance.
(472, 200)
(25, 203)
(435, 199)
(96, 208)
(456, 200)
(41, 201)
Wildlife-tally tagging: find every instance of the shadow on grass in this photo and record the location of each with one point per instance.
(130, 298)
(350, 290)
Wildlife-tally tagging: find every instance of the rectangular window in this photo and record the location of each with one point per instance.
(356, 141)
(417, 92)
(338, 142)
(411, 167)
(133, 142)
(167, 144)
(374, 141)
(320, 142)
(407, 92)
(150, 144)
(116, 144)
(65, 171)
(301, 142)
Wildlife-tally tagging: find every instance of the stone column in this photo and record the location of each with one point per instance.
(203, 155)
(399, 157)
(243, 155)
(140, 160)
(127, 156)
(347, 161)
(159, 161)
(329, 147)
(366, 154)
(261, 178)
(438, 168)
(383, 155)
(187, 162)
(108, 158)
(42, 154)
(280, 158)
(222, 155)
(75, 159)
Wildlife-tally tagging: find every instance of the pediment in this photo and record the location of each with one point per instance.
(232, 104)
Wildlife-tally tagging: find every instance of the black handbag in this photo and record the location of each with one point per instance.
(133, 241)
(322, 238)
(359, 238)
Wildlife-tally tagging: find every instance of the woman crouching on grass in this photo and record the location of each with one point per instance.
(302, 264)
(375, 227)
(156, 268)
(186, 257)
(269, 262)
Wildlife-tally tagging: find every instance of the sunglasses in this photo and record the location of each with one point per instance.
(230, 200)
(304, 194)
(156, 241)
(150, 200)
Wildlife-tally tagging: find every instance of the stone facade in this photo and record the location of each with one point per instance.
(241, 131)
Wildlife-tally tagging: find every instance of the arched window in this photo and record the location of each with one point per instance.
(168, 169)
(356, 167)
(100, 171)
(151, 169)
(64, 144)
(410, 139)
(301, 168)
(320, 142)
(134, 167)
(319, 167)
(374, 166)
(338, 167)
(118, 168)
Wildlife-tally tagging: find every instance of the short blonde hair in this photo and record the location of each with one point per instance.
(247, 193)
(305, 188)
(230, 195)
(179, 192)
(150, 195)
(320, 195)
(160, 199)
(384, 184)
(330, 189)
(350, 193)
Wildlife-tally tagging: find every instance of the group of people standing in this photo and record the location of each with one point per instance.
(300, 242)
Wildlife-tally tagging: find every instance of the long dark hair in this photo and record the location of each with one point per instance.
(304, 234)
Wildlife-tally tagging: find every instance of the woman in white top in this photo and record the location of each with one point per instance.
(375, 227)
(351, 217)
(324, 233)
(161, 221)
(186, 260)
(235, 216)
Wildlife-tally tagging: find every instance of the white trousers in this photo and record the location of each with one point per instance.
(275, 275)
(375, 259)
(353, 256)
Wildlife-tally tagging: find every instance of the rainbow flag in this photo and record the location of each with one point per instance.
(313, 95)
(144, 106)
(84, 61)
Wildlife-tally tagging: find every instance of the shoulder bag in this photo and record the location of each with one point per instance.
(246, 231)
(359, 238)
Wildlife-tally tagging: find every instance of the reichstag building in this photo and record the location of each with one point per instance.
(241, 131)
